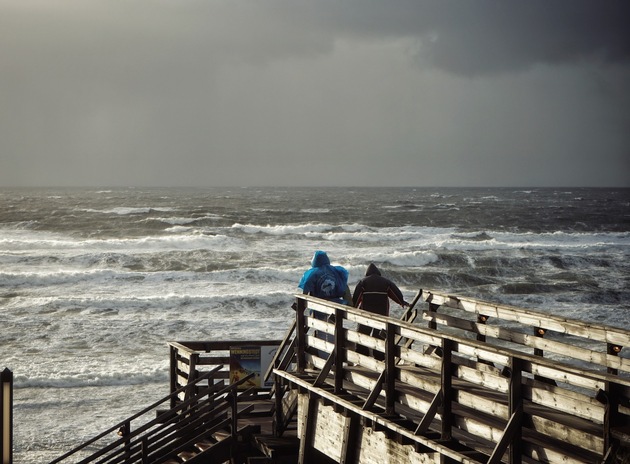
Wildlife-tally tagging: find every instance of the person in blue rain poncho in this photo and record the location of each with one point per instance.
(328, 282)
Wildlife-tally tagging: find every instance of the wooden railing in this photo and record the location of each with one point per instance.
(583, 344)
(480, 390)
(191, 359)
(154, 436)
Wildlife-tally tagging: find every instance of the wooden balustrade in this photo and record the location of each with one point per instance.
(474, 389)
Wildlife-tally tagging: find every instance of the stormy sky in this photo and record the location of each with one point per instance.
(314, 92)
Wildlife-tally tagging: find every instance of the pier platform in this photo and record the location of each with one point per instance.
(453, 380)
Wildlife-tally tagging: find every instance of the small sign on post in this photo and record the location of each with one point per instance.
(6, 416)
(251, 359)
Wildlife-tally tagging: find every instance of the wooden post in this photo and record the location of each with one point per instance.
(447, 389)
(339, 351)
(515, 404)
(145, 450)
(612, 417)
(540, 333)
(513, 433)
(390, 367)
(433, 308)
(308, 429)
(300, 334)
(6, 416)
(351, 428)
(191, 391)
(613, 350)
(481, 319)
(173, 375)
(234, 407)
(279, 391)
(124, 431)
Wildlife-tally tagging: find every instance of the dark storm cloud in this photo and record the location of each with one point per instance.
(481, 36)
(403, 92)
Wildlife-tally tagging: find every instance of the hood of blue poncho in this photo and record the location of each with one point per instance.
(320, 258)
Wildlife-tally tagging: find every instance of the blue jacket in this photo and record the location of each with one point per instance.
(324, 280)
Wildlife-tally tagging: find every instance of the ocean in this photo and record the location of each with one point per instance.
(95, 282)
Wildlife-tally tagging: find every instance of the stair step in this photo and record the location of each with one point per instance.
(204, 445)
(187, 455)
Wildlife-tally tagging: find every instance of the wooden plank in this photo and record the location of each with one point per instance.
(307, 428)
(375, 392)
(415, 402)
(376, 419)
(575, 377)
(367, 319)
(214, 360)
(531, 341)
(482, 379)
(320, 325)
(607, 334)
(589, 408)
(420, 337)
(419, 358)
(543, 449)
(477, 428)
(480, 353)
(361, 380)
(483, 403)
(421, 380)
(316, 305)
(591, 441)
(328, 426)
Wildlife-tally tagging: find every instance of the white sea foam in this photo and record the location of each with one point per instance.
(124, 210)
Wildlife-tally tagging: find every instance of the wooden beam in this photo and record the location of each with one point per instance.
(508, 439)
(308, 428)
(424, 424)
(286, 343)
(447, 389)
(373, 396)
(300, 334)
(390, 369)
(323, 374)
(349, 448)
(339, 352)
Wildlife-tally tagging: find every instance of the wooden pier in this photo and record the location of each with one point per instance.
(453, 380)
(479, 383)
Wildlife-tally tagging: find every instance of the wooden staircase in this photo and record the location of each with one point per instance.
(217, 424)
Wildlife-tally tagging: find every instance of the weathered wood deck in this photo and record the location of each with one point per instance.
(467, 382)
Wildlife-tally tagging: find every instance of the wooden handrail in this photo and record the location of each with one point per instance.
(474, 383)
(146, 410)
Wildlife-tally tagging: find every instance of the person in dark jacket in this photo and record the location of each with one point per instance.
(373, 293)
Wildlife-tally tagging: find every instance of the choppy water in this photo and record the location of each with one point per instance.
(93, 283)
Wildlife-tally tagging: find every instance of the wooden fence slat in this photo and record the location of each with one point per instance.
(606, 334)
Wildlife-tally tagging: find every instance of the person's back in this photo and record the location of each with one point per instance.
(324, 280)
(327, 282)
(373, 292)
